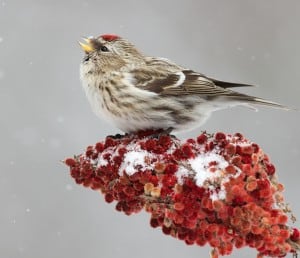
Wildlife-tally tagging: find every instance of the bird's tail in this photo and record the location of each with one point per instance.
(258, 101)
(270, 103)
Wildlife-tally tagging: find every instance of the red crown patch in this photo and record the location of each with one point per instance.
(109, 37)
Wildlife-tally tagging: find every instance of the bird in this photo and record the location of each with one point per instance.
(137, 92)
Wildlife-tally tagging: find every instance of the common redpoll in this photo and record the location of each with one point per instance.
(138, 92)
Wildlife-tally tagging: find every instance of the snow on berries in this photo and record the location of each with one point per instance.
(219, 189)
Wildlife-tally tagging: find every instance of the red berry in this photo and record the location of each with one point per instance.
(154, 222)
(295, 235)
(99, 146)
(178, 206)
(255, 147)
(187, 151)
(270, 169)
(239, 136)
(171, 168)
(230, 169)
(109, 198)
(109, 142)
(70, 162)
(202, 138)
(248, 150)
(166, 230)
(230, 149)
(220, 136)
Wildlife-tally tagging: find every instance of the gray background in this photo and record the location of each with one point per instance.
(46, 117)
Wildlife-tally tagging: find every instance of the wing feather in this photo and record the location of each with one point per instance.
(167, 79)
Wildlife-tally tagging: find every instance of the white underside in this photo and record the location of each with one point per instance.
(142, 119)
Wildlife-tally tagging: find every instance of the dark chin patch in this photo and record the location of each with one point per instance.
(86, 58)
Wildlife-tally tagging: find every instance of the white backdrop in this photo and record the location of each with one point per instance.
(46, 117)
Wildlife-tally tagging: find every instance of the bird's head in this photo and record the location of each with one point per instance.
(108, 53)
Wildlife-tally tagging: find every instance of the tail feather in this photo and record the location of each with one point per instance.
(258, 101)
(270, 103)
(246, 98)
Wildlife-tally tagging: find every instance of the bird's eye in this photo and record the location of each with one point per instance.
(104, 49)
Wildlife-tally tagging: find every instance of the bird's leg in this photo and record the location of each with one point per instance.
(147, 133)
(163, 132)
(168, 130)
(117, 136)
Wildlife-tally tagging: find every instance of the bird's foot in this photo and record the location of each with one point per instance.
(162, 132)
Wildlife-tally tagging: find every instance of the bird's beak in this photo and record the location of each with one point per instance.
(87, 47)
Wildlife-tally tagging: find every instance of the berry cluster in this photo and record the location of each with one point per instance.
(216, 189)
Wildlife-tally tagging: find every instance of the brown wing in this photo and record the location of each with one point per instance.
(178, 82)
(171, 80)
(194, 83)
